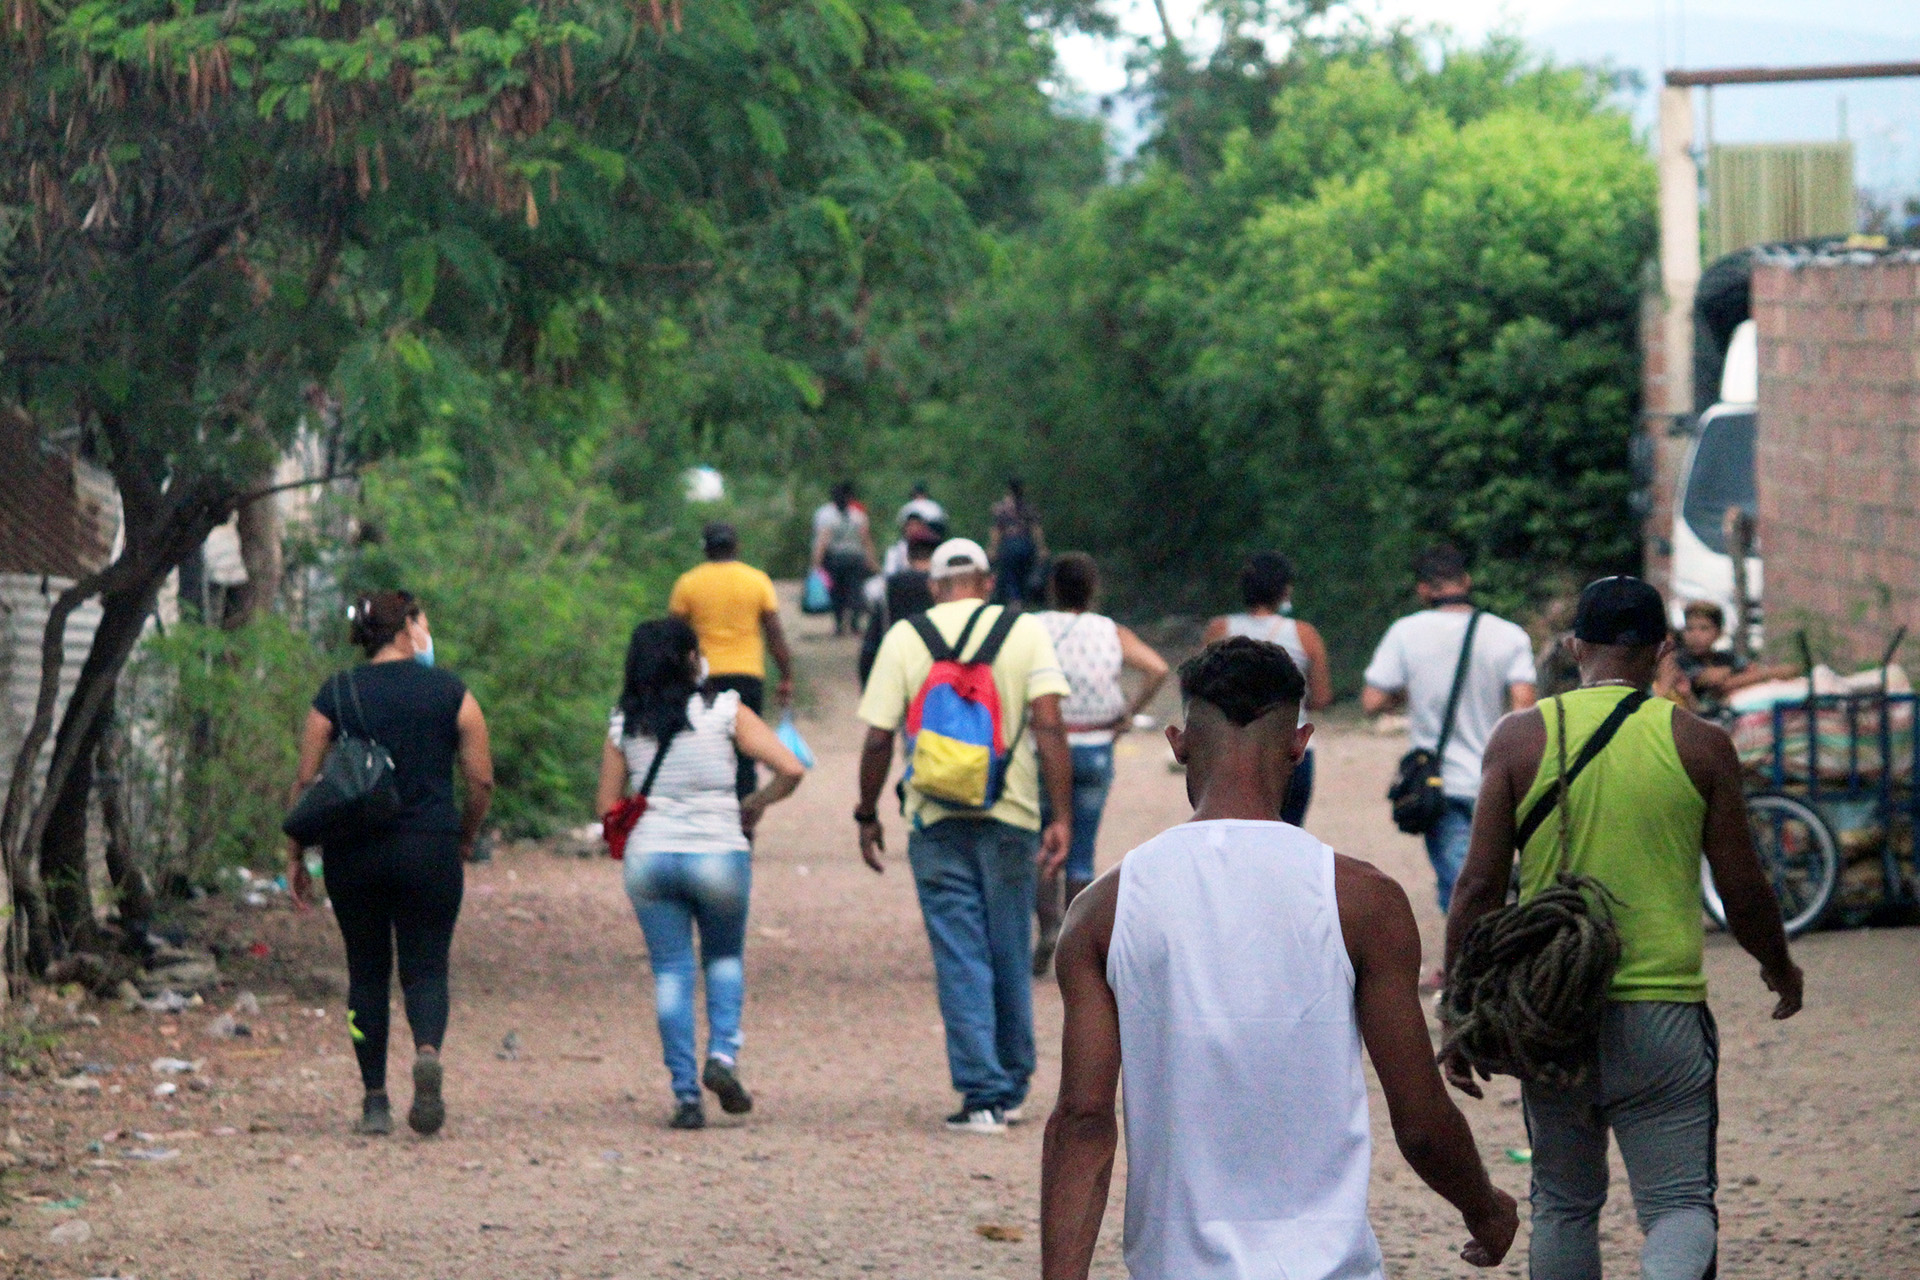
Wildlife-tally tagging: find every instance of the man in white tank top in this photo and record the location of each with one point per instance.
(1230, 969)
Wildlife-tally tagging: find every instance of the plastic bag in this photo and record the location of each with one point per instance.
(790, 739)
(818, 596)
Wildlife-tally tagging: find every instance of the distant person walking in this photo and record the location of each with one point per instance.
(974, 864)
(399, 887)
(732, 609)
(1663, 792)
(1093, 650)
(1230, 969)
(687, 863)
(1016, 546)
(1414, 668)
(905, 591)
(920, 505)
(1266, 589)
(843, 550)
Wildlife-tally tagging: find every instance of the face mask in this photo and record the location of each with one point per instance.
(424, 656)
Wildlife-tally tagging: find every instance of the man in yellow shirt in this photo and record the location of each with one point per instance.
(974, 869)
(731, 607)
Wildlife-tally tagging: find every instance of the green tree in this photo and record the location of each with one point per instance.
(177, 189)
(1393, 304)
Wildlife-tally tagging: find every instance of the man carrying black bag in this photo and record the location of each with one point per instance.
(1425, 665)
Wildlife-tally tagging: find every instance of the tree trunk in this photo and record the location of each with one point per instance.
(131, 586)
(130, 884)
(63, 825)
(259, 527)
(28, 937)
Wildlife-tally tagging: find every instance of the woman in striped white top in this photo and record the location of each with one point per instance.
(688, 863)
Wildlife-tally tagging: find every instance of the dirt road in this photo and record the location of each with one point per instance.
(556, 1162)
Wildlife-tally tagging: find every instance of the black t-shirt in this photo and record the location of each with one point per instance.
(412, 711)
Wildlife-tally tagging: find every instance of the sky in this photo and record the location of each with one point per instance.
(1881, 118)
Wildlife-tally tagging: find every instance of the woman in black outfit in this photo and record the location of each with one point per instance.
(402, 884)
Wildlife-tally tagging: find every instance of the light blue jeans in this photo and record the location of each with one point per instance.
(1447, 846)
(1092, 779)
(672, 893)
(975, 880)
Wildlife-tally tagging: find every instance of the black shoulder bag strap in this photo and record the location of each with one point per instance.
(1594, 745)
(1453, 694)
(990, 650)
(653, 770)
(937, 646)
(359, 711)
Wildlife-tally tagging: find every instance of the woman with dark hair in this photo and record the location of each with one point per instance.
(1093, 650)
(1266, 587)
(688, 864)
(1016, 546)
(843, 549)
(399, 888)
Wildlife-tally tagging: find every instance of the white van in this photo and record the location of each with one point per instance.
(1718, 475)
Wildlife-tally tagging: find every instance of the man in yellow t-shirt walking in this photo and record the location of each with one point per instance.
(732, 608)
(974, 869)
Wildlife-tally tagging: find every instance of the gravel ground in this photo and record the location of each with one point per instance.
(556, 1161)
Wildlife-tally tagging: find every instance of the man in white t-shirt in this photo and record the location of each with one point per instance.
(1413, 668)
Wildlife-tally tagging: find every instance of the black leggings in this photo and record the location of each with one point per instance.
(402, 887)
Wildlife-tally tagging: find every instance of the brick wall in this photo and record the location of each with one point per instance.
(1839, 451)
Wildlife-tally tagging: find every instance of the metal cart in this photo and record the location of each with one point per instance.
(1834, 823)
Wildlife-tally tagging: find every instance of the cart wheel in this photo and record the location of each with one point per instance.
(1801, 858)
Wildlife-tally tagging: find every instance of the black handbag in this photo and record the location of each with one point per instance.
(1417, 794)
(355, 794)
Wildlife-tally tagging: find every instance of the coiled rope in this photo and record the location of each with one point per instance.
(1525, 994)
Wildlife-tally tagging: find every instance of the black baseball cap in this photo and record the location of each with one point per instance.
(720, 536)
(1620, 611)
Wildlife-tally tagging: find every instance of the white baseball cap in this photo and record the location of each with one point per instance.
(956, 556)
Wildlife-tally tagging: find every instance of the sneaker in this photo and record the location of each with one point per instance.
(429, 1110)
(1014, 1115)
(719, 1077)
(376, 1116)
(688, 1115)
(984, 1120)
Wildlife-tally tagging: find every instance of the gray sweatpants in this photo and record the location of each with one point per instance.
(1655, 1088)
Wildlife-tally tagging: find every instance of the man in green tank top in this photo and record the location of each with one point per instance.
(1662, 794)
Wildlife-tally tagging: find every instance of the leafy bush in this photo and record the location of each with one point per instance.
(532, 584)
(215, 716)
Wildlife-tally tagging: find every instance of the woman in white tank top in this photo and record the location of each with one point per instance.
(1093, 649)
(1266, 585)
(688, 864)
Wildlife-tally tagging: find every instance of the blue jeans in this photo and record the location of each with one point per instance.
(671, 892)
(975, 879)
(1092, 779)
(1293, 806)
(1447, 846)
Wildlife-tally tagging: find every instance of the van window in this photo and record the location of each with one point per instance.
(1721, 476)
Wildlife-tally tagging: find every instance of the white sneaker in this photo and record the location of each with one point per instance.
(1015, 1115)
(985, 1120)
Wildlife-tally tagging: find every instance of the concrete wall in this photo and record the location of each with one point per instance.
(1839, 453)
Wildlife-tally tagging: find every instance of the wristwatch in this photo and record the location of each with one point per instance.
(866, 815)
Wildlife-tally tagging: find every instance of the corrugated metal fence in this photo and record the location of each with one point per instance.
(25, 601)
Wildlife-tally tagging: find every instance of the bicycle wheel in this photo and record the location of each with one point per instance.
(1799, 854)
